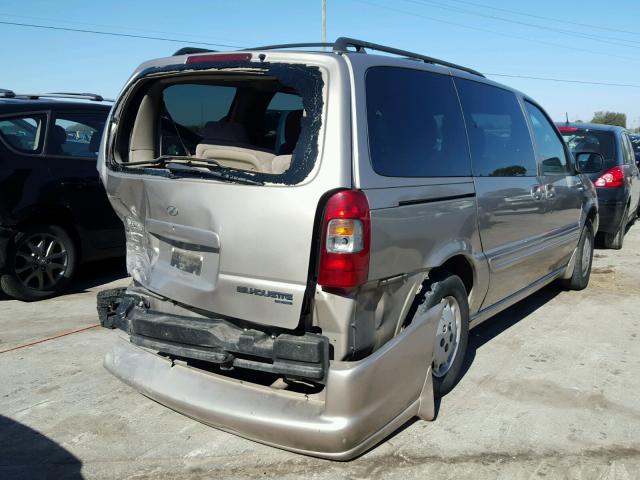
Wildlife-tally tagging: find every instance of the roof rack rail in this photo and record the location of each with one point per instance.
(190, 50)
(343, 45)
(76, 96)
(283, 46)
(84, 96)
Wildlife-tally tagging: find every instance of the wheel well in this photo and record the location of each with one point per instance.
(460, 266)
(60, 219)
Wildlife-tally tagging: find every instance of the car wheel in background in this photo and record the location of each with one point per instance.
(41, 263)
(584, 258)
(615, 240)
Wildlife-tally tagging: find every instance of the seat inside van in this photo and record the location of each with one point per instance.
(229, 144)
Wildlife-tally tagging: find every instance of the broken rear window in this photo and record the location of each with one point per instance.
(260, 123)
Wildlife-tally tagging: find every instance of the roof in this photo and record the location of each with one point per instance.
(592, 126)
(10, 105)
(342, 45)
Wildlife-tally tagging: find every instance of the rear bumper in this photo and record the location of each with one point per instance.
(215, 340)
(362, 402)
(610, 216)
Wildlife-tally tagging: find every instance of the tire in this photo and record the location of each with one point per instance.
(453, 328)
(41, 263)
(584, 258)
(616, 240)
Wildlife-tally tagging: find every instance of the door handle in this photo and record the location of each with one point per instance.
(551, 190)
(536, 192)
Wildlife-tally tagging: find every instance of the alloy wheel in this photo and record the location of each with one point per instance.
(41, 261)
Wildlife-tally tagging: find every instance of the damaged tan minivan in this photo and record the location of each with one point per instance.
(311, 234)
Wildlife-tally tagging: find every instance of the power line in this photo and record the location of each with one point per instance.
(103, 25)
(114, 34)
(236, 46)
(562, 80)
(493, 32)
(564, 21)
(598, 38)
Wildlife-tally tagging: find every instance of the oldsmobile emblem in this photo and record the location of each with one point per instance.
(171, 210)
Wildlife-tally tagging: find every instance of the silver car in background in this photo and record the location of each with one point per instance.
(311, 234)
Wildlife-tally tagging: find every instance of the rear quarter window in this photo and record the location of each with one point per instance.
(414, 124)
(76, 135)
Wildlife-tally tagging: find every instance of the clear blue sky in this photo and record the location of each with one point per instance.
(38, 60)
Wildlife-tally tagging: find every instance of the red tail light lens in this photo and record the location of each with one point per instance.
(567, 129)
(611, 178)
(219, 57)
(346, 232)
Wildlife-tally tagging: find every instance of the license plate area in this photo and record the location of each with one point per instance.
(186, 261)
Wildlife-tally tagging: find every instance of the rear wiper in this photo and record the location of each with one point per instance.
(223, 174)
(163, 159)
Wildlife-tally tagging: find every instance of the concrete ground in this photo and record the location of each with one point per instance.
(551, 391)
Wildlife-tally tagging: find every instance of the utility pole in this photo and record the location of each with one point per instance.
(324, 21)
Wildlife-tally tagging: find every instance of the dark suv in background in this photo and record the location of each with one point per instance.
(635, 142)
(617, 184)
(54, 212)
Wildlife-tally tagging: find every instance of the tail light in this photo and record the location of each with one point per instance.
(568, 129)
(611, 178)
(346, 232)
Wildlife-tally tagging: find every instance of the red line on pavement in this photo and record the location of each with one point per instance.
(24, 345)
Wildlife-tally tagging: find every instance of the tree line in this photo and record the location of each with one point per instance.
(610, 118)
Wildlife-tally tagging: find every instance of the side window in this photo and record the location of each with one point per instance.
(415, 124)
(282, 120)
(635, 143)
(552, 156)
(498, 134)
(627, 149)
(23, 133)
(76, 134)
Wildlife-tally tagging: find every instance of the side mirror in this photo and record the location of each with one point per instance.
(589, 162)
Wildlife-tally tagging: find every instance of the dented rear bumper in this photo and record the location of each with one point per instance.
(362, 402)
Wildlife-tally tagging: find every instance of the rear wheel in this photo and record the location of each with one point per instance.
(584, 258)
(453, 327)
(41, 263)
(616, 239)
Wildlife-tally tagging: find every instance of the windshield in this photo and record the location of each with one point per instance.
(586, 140)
